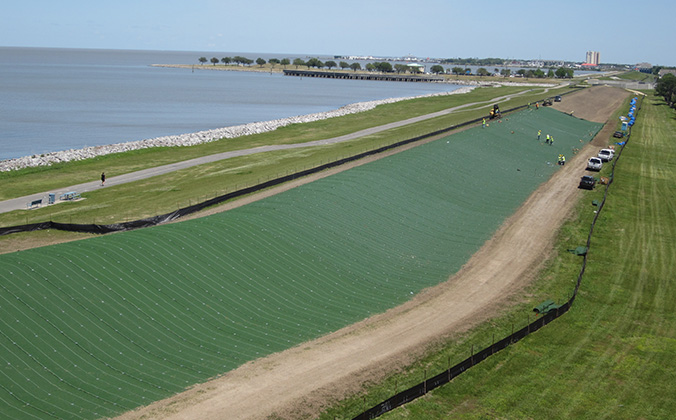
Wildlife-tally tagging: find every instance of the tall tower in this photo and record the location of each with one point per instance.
(593, 57)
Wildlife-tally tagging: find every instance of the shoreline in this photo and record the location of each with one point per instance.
(200, 137)
(229, 132)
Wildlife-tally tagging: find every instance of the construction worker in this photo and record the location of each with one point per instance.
(551, 140)
(562, 160)
(539, 134)
(483, 124)
(547, 139)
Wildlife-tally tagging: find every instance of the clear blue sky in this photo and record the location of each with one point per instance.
(622, 31)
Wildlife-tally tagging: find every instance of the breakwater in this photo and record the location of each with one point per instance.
(192, 139)
(388, 77)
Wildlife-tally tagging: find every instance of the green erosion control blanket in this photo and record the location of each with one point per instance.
(96, 327)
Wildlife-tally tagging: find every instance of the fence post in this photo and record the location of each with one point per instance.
(425, 383)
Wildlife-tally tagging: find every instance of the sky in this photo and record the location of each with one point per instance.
(624, 32)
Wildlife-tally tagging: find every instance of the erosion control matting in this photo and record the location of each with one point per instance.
(92, 328)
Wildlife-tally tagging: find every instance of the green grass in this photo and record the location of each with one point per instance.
(94, 327)
(165, 193)
(612, 355)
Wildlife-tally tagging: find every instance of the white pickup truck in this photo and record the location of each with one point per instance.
(594, 164)
(606, 155)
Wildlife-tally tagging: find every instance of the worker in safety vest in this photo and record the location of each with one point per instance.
(547, 139)
(539, 134)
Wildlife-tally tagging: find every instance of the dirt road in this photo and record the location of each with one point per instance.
(296, 383)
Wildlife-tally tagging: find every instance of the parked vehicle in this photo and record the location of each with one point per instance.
(606, 155)
(594, 164)
(587, 182)
(557, 98)
(618, 134)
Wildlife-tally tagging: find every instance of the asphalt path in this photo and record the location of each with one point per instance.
(22, 203)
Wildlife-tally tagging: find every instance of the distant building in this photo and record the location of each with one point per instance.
(593, 58)
(667, 71)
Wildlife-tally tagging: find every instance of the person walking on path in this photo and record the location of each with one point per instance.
(483, 124)
(539, 134)
(547, 139)
(103, 178)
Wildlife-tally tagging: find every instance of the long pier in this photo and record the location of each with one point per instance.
(364, 76)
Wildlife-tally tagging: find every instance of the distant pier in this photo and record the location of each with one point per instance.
(364, 76)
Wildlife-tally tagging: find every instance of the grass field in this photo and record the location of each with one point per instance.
(612, 355)
(95, 327)
(164, 194)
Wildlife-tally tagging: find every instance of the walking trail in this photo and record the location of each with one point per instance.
(298, 382)
(21, 202)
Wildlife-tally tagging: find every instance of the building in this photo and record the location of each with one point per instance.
(593, 58)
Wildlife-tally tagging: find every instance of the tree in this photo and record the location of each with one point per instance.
(214, 60)
(330, 64)
(666, 88)
(285, 62)
(274, 61)
(505, 72)
(560, 73)
(226, 60)
(298, 62)
(457, 71)
(539, 73)
(314, 62)
(383, 66)
(370, 67)
(482, 72)
(521, 72)
(202, 60)
(355, 66)
(550, 73)
(343, 65)
(436, 69)
(401, 68)
(260, 61)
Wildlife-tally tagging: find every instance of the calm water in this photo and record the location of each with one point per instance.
(59, 99)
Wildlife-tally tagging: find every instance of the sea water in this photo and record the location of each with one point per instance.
(60, 99)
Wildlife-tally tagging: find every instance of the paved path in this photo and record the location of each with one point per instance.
(20, 203)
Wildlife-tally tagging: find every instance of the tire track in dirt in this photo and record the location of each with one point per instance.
(298, 382)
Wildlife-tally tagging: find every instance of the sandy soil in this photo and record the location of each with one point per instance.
(298, 382)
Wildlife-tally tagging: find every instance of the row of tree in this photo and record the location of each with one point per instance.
(386, 67)
(666, 88)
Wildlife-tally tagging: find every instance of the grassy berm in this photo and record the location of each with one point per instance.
(612, 356)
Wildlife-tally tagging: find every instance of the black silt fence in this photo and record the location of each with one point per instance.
(445, 377)
(181, 212)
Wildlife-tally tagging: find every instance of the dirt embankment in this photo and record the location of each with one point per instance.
(296, 383)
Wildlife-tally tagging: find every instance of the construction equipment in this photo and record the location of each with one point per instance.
(495, 112)
(547, 102)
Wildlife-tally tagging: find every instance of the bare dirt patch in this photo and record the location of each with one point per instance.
(298, 382)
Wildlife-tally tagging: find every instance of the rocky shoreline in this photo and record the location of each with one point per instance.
(191, 139)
